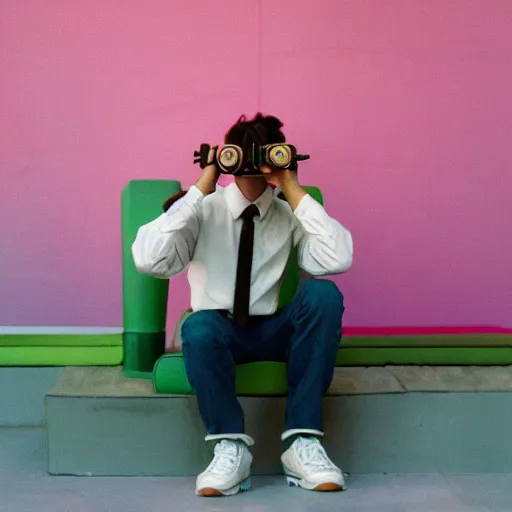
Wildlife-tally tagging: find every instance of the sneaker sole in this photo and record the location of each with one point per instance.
(210, 492)
(325, 487)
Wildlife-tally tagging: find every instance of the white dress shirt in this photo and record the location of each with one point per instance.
(203, 232)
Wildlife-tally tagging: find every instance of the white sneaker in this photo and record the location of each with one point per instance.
(228, 473)
(307, 465)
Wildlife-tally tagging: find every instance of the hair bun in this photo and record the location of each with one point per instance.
(260, 129)
(273, 123)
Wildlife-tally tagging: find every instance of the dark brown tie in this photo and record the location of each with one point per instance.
(244, 266)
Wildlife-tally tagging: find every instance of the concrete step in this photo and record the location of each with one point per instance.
(377, 420)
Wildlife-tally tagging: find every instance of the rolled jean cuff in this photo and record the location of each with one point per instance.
(248, 440)
(298, 431)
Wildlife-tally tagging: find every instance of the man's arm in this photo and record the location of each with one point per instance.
(324, 245)
(293, 192)
(165, 246)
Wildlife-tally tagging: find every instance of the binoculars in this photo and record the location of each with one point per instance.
(230, 159)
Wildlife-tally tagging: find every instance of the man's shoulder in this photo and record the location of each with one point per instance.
(281, 204)
(215, 202)
(219, 195)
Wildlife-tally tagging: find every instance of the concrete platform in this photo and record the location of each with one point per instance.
(377, 420)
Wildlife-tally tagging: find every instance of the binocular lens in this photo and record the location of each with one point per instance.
(280, 156)
(229, 159)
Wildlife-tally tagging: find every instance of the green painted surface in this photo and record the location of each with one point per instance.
(425, 356)
(265, 378)
(61, 356)
(61, 349)
(144, 297)
(435, 340)
(141, 351)
(61, 340)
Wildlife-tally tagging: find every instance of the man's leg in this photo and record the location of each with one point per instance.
(209, 353)
(316, 313)
(208, 345)
(306, 334)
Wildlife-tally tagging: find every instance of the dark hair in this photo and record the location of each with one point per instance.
(171, 200)
(261, 130)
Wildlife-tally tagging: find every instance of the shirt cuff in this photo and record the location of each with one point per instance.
(308, 207)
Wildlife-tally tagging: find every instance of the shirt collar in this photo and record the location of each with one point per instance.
(237, 202)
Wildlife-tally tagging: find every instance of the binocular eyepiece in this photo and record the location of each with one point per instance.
(230, 159)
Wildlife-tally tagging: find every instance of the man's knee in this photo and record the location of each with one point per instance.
(201, 330)
(321, 294)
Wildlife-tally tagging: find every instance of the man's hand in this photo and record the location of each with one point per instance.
(206, 183)
(288, 182)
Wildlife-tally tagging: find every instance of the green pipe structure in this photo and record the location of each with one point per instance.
(144, 297)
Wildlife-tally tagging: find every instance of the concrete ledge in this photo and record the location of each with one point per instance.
(102, 424)
(453, 378)
(110, 382)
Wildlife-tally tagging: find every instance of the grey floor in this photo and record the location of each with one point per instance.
(25, 487)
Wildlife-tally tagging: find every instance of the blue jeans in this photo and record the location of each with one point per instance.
(304, 334)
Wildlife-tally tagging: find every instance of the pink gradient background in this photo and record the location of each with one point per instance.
(405, 107)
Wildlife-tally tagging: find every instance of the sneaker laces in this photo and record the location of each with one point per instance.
(225, 459)
(311, 453)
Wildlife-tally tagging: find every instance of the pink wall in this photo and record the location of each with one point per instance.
(404, 106)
